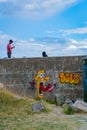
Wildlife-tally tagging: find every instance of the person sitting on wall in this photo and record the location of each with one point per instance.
(44, 54)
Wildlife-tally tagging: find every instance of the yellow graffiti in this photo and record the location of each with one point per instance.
(72, 78)
(40, 78)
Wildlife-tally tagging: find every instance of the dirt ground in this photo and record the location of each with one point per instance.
(79, 118)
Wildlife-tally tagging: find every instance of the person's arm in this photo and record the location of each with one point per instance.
(12, 47)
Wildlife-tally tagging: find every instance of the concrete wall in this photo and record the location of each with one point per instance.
(18, 75)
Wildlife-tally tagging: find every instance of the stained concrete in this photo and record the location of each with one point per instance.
(16, 74)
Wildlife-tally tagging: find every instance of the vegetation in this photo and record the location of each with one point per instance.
(68, 109)
(16, 114)
(50, 101)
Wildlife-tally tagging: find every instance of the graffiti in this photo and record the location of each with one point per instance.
(72, 78)
(32, 83)
(29, 85)
(41, 79)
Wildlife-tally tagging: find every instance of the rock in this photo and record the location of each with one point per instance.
(59, 99)
(1, 85)
(69, 101)
(81, 105)
(38, 107)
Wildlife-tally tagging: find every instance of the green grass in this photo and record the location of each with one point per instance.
(50, 101)
(10, 105)
(68, 109)
(17, 114)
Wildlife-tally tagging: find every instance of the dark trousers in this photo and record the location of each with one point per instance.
(9, 54)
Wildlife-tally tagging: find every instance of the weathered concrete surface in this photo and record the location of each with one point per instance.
(81, 105)
(16, 74)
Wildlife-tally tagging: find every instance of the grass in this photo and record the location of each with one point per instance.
(10, 105)
(16, 114)
(68, 109)
(50, 101)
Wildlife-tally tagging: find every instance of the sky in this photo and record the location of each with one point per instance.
(58, 27)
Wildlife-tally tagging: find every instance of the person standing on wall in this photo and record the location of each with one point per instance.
(9, 48)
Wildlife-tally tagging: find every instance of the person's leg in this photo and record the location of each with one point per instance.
(9, 54)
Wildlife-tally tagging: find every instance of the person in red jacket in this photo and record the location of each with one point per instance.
(9, 48)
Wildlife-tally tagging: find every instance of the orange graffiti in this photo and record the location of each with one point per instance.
(72, 78)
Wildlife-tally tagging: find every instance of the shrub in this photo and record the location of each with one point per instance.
(68, 109)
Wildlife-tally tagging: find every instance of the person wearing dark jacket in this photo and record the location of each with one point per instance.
(44, 54)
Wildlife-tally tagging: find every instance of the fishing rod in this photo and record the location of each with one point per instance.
(14, 43)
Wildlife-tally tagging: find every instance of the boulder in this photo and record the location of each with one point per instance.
(37, 107)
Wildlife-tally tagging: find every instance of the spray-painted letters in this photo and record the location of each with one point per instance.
(72, 78)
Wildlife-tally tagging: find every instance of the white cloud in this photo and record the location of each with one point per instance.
(73, 41)
(72, 47)
(4, 37)
(34, 48)
(81, 30)
(31, 6)
(3, 0)
(34, 8)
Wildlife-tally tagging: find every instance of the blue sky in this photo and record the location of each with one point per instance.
(58, 27)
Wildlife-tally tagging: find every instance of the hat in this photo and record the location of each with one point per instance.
(10, 41)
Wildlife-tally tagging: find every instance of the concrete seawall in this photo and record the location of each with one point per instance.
(66, 72)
